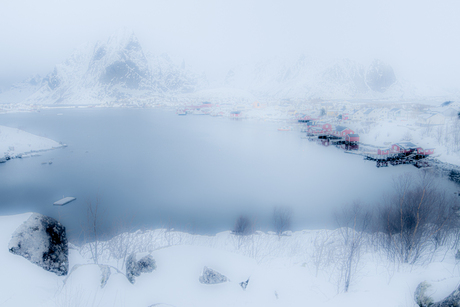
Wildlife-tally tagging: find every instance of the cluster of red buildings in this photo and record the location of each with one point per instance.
(405, 148)
(337, 132)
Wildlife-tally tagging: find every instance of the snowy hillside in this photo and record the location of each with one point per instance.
(303, 268)
(112, 71)
(20, 91)
(309, 78)
(119, 70)
(16, 142)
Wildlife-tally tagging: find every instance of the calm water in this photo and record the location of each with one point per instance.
(196, 173)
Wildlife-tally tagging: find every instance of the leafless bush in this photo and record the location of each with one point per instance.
(407, 136)
(244, 227)
(353, 224)
(416, 220)
(94, 228)
(282, 219)
(123, 242)
(324, 248)
(440, 134)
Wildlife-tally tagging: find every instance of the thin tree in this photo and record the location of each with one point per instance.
(282, 219)
(353, 221)
(93, 230)
(417, 216)
(244, 227)
(123, 242)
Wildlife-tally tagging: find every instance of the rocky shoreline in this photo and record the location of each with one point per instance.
(28, 154)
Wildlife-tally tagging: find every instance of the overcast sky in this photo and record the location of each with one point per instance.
(420, 39)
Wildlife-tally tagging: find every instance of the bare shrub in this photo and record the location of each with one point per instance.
(353, 221)
(416, 220)
(323, 252)
(94, 228)
(243, 228)
(439, 134)
(123, 242)
(407, 136)
(282, 219)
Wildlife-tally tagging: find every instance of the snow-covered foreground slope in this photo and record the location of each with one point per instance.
(302, 269)
(14, 142)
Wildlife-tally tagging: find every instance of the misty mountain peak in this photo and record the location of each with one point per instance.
(111, 70)
(380, 76)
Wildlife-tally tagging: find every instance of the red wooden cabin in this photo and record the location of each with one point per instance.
(425, 152)
(352, 138)
(235, 114)
(342, 131)
(327, 128)
(403, 147)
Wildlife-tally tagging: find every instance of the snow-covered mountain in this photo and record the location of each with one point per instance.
(307, 77)
(20, 91)
(118, 70)
(112, 71)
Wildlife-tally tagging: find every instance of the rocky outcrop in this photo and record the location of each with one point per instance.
(42, 240)
(113, 71)
(210, 277)
(244, 284)
(420, 295)
(135, 268)
(380, 76)
(104, 269)
(424, 300)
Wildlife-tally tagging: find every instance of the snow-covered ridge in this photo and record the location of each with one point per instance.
(290, 270)
(119, 70)
(310, 78)
(110, 71)
(16, 143)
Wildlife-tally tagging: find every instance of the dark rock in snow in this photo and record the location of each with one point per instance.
(244, 284)
(105, 274)
(42, 240)
(210, 276)
(453, 300)
(135, 268)
(420, 296)
(380, 76)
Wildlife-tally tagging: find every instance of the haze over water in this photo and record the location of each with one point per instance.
(197, 173)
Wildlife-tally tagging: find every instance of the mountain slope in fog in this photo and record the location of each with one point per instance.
(114, 70)
(118, 70)
(309, 78)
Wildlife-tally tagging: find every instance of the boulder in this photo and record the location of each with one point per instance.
(76, 270)
(105, 274)
(421, 297)
(135, 268)
(380, 76)
(210, 276)
(424, 299)
(42, 240)
(244, 284)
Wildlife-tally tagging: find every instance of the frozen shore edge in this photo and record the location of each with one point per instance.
(27, 154)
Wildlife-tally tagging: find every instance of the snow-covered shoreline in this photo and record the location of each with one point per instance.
(296, 269)
(16, 143)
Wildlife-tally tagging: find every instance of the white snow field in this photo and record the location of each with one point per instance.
(300, 269)
(14, 142)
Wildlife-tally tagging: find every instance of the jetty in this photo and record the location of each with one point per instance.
(64, 201)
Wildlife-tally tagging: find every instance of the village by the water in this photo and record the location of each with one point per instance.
(390, 133)
(384, 132)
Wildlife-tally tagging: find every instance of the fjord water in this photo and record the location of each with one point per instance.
(153, 168)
